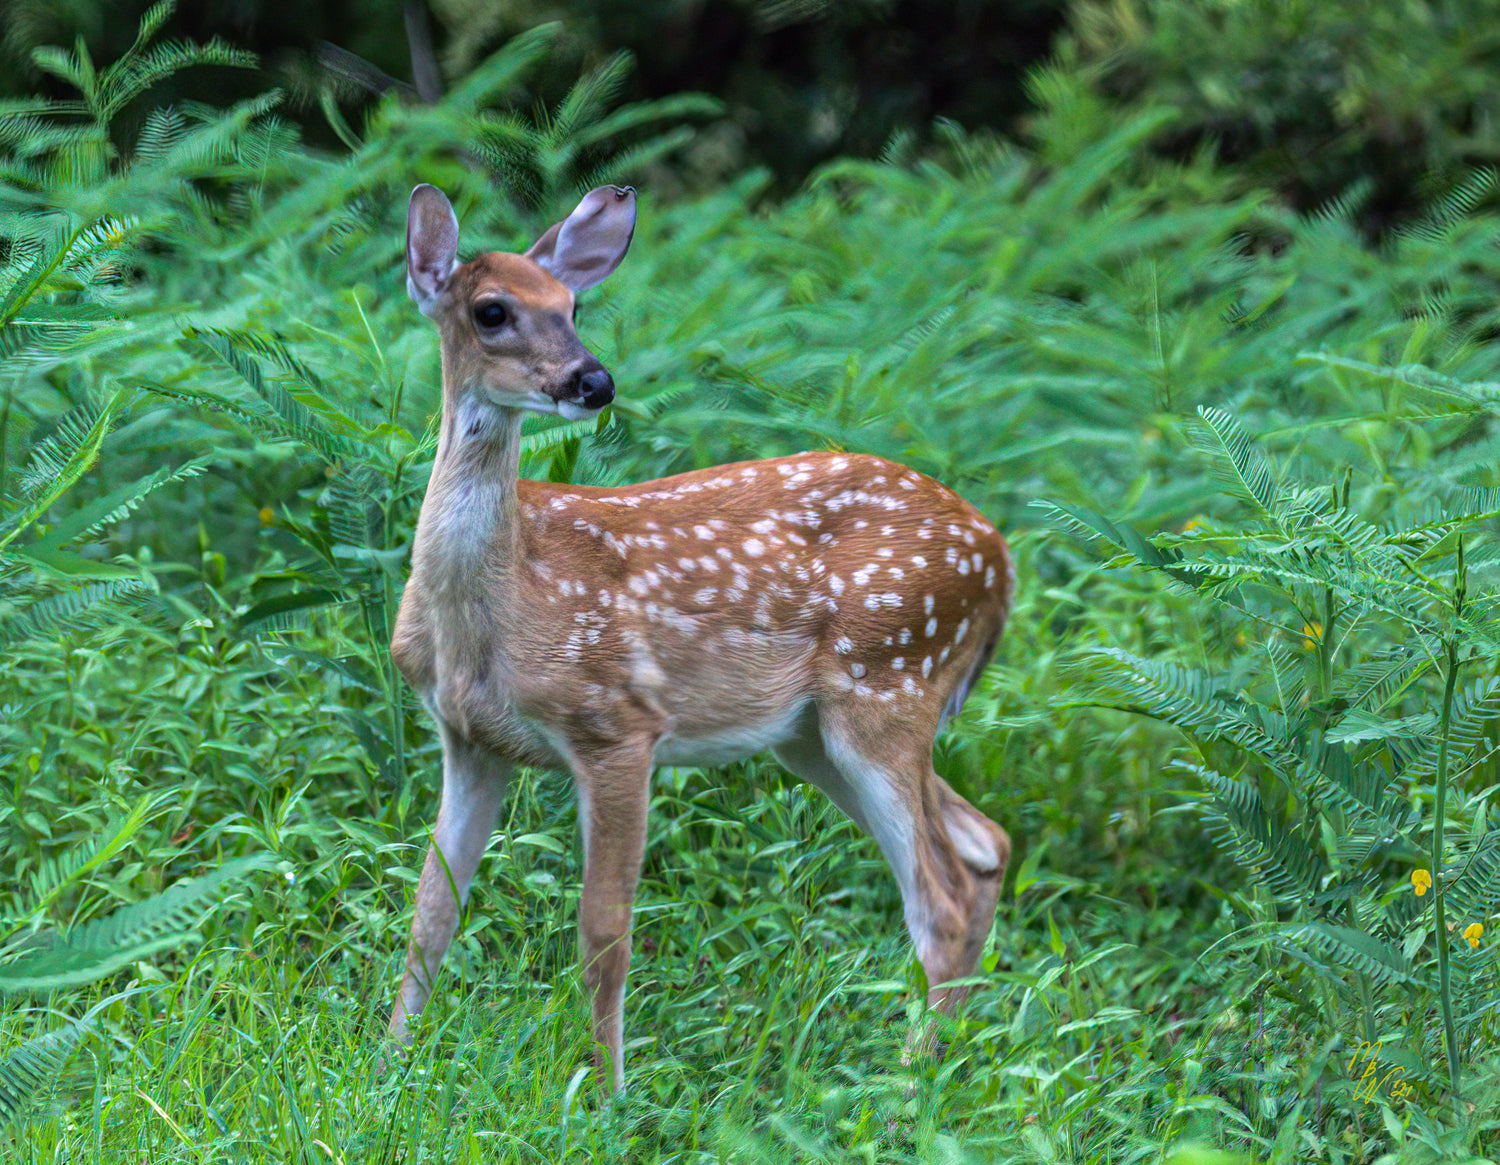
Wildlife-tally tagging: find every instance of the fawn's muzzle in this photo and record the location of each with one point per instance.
(595, 388)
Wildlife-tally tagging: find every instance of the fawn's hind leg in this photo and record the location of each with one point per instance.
(948, 858)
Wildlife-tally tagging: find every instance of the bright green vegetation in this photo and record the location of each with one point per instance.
(1248, 693)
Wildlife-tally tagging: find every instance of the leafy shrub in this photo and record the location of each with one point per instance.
(1369, 698)
(1311, 100)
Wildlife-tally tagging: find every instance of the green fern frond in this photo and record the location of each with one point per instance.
(1239, 823)
(61, 460)
(116, 505)
(1082, 522)
(1475, 709)
(1288, 678)
(1474, 891)
(1418, 384)
(1376, 682)
(74, 68)
(1182, 696)
(1240, 460)
(1380, 960)
(30, 1069)
(1453, 208)
(291, 416)
(268, 347)
(586, 100)
(72, 610)
(162, 131)
(1364, 792)
(56, 874)
(134, 932)
(134, 73)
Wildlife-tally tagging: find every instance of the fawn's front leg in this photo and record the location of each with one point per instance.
(614, 792)
(474, 783)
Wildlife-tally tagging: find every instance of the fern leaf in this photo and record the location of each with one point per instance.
(56, 875)
(1247, 468)
(1182, 696)
(61, 461)
(1474, 710)
(295, 418)
(1238, 821)
(1380, 960)
(88, 606)
(1078, 520)
(115, 505)
(30, 1069)
(101, 947)
(1474, 891)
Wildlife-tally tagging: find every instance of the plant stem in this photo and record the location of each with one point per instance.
(1439, 810)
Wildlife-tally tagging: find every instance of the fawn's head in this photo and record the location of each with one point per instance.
(506, 320)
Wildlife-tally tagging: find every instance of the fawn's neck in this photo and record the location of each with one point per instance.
(467, 536)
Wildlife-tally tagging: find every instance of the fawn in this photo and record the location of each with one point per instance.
(833, 608)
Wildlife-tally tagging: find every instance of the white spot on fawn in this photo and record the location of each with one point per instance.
(843, 645)
(927, 667)
(926, 604)
(931, 627)
(754, 547)
(835, 584)
(857, 670)
(963, 629)
(704, 532)
(898, 663)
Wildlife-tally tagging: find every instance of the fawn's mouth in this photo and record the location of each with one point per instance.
(573, 411)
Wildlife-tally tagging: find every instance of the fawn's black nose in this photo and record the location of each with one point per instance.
(595, 389)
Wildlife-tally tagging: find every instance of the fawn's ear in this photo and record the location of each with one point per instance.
(585, 247)
(431, 246)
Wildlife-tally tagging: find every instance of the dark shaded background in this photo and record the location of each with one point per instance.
(1388, 102)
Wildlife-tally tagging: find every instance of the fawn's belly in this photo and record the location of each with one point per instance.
(717, 744)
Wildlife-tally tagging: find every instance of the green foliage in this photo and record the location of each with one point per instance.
(128, 935)
(1314, 100)
(1331, 770)
(220, 393)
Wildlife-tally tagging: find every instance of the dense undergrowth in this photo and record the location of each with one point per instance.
(217, 427)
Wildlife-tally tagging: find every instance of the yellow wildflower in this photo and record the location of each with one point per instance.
(1312, 635)
(267, 515)
(1472, 932)
(1421, 882)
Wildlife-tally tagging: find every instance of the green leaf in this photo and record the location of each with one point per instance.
(101, 947)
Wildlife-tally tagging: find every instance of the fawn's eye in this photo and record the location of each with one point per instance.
(490, 315)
